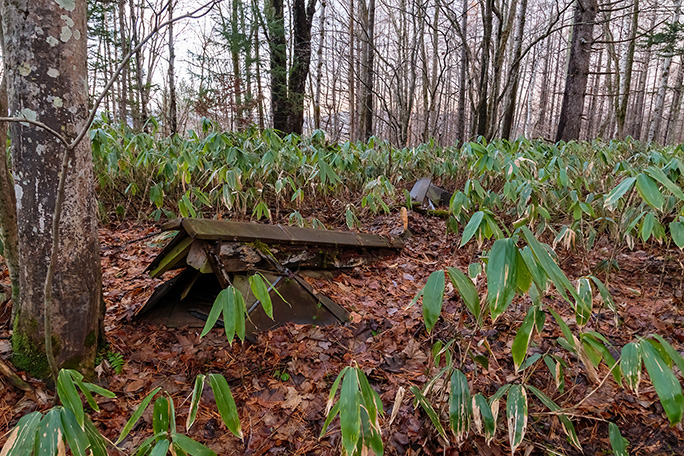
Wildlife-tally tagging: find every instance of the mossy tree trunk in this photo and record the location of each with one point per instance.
(45, 60)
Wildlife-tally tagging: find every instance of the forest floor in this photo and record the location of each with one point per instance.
(282, 381)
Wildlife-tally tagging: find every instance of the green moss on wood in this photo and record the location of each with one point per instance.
(29, 356)
(90, 339)
(75, 363)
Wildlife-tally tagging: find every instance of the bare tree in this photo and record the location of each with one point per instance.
(578, 70)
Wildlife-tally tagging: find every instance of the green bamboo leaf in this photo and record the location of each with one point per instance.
(370, 397)
(240, 313)
(460, 404)
(605, 294)
(664, 381)
(190, 446)
(91, 388)
(565, 329)
(74, 433)
(416, 298)
(618, 192)
(98, 445)
(556, 371)
(260, 291)
(194, 401)
(660, 176)
(22, 438)
(523, 276)
(649, 191)
(371, 437)
(467, 290)
(516, 415)
(225, 403)
(472, 227)
(215, 312)
(522, 339)
(617, 441)
(536, 271)
(160, 415)
(557, 276)
(630, 365)
(539, 314)
(483, 417)
(429, 410)
(501, 276)
(433, 298)
(530, 361)
(672, 353)
(86, 389)
(330, 416)
(677, 233)
(333, 390)
(161, 448)
(568, 427)
(350, 413)
(499, 393)
(584, 305)
(136, 415)
(600, 344)
(68, 395)
(229, 313)
(49, 433)
(647, 226)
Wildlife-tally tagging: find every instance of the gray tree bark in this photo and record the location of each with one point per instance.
(572, 107)
(8, 207)
(509, 110)
(45, 60)
(657, 115)
(173, 109)
(621, 114)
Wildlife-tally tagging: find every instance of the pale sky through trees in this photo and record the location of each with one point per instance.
(428, 66)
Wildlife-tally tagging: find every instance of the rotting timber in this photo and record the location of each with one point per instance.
(215, 254)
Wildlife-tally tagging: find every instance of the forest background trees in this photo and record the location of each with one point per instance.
(407, 71)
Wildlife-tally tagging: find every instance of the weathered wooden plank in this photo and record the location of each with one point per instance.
(173, 257)
(219, 230)
(197, 257)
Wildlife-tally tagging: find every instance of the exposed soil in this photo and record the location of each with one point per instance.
(284, 414)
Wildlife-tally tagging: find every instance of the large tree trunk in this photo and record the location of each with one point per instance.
(45, 59)
(578, 71)
(637, 114)
(302, 17)
(670, 130)
(351, 77)
(123, 79)
(509, 110)
(657, 115)
(483, 86)
(461, 110)
(621, 114)
(368, 111)
(503, 33)
(319, 67)
(235, 48)
(8, 204)
(278, 54)
(173, 109)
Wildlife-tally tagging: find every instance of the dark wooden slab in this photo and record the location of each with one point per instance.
(220, 230)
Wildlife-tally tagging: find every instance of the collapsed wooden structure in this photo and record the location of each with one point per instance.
(428, 195)
(215, 254)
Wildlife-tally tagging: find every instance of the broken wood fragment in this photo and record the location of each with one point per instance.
(428, 195)
(14, 379)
